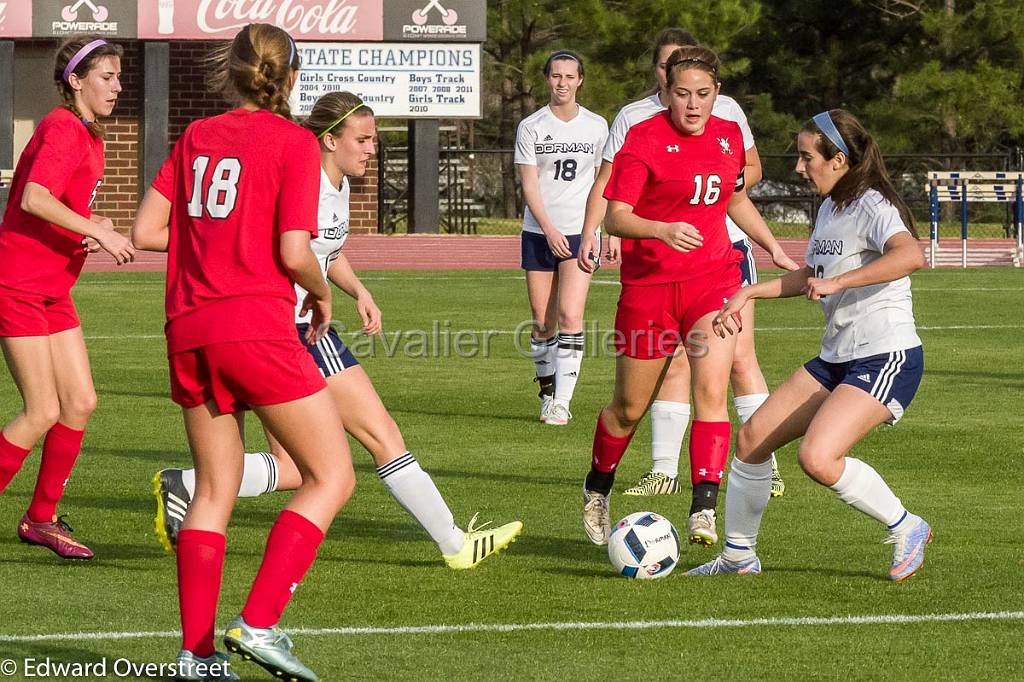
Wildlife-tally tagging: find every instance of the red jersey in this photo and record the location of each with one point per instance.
(39, 257)
(671, 177)
(235, 183)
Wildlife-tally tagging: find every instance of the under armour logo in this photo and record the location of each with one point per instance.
(671, 147)
(570, 374)
(294, 587)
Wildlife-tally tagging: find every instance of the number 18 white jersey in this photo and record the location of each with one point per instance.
(566, 154)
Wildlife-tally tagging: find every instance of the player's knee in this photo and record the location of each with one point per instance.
(42, 415)
(626, 413)
(744, 364)
(745, 443)
(815, 460)
(79, 407)
(711, 398)
(568, 321)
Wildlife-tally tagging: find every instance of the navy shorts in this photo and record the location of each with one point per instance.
(330, 353)
(748, 271)
(891, 378)
(536, 255)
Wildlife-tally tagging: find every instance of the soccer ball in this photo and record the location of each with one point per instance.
(644, 545)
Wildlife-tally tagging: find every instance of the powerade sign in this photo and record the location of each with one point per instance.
(103, 17)
(441, 20)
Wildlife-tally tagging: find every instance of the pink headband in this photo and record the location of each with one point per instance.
(79, 56)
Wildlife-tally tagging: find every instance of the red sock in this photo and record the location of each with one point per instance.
(11, 458)
(60, 450)
(709, 450)
(608, 449)
(291, 549)
(200, 564)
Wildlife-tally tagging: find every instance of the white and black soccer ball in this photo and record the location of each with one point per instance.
(644, 545)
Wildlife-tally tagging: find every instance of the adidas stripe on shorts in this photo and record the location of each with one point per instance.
(330, 353)
(890, 378)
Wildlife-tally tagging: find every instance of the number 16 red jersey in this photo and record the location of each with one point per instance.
(671, 177)
(235, 183)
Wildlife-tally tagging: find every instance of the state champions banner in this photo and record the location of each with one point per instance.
(397, 80)
(413, 20)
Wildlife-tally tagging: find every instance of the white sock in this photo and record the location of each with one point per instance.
(413, 488)
(543, 351)
(668, 428)
(862, 488)
(746, 496)
(746, 406)
(259, 475)
(568, 358)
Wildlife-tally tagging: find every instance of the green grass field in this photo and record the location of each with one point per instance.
(955, 459)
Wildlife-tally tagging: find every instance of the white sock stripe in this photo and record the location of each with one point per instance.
(271, 470)
(396, 465)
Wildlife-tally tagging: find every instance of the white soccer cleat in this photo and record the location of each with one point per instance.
(546, 403)
(596, 521)
(559, 415)
(700, 529)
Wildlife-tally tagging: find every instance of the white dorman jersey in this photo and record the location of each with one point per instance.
(332, 231)
(566, 154)
(866, 320)
(641, 110)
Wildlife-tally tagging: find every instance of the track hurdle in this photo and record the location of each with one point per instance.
(964, 186)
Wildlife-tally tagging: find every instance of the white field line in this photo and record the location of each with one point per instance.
(474, 278)
(470, 628)
(451, 331)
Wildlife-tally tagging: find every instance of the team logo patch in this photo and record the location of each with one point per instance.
(723, 142)
(671, 147)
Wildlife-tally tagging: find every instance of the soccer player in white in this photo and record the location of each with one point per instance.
(347, 132)
(558, 151)
(670, 411)
(859, 259)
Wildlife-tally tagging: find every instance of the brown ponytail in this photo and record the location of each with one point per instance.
(867, 168)
(256, 67)
(65, 53)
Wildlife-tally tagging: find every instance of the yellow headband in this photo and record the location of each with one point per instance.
(332, 126)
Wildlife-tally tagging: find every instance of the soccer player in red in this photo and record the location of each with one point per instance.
(41, 246)
(235, 206)
(672, 183)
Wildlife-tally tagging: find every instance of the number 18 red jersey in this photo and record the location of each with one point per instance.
(671, 177)
(235, 183)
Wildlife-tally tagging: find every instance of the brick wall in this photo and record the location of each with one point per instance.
(118, 196)
(189, 100)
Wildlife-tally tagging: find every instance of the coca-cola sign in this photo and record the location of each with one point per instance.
(15, 18)
(303, 19)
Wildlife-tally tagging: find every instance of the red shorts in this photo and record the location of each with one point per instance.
(28, 315)
(236, 375)
(652, 320)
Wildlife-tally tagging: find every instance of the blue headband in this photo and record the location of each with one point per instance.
(829, 130)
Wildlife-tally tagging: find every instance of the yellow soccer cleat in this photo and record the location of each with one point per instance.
(480, 544)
